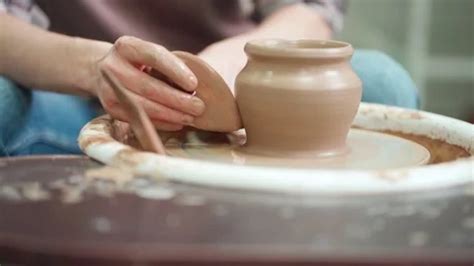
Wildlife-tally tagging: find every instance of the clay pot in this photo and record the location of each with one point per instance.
(297, 98)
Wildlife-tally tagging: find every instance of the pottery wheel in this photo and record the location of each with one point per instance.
(368, 150)
(147, 221)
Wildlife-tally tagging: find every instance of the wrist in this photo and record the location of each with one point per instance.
(90, 53)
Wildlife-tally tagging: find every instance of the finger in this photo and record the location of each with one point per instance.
(156, 90)
(157, 57)
(160, 112)
(126, 72)
(119, 113)
(160, 92)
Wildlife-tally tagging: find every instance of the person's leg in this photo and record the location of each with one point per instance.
(14, 106)
(384, 80)
(38, 122)
(52, 125)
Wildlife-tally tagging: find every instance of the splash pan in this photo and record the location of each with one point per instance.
(411, 151)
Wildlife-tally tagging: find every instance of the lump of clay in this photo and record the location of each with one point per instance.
(221, 114)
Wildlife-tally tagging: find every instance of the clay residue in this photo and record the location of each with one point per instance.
(121, 131)
(390, 114)
(34, 191)
(93, 140)
(30, 191)
(95, 130)
(112, 174)
(440, 150)
(392, 176)
(412, 115)
(103, 181)
(128, 157)
(415, 115)
(100, 124)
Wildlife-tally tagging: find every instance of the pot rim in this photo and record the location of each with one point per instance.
(302, 48)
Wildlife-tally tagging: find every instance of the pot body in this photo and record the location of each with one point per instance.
(297, 98)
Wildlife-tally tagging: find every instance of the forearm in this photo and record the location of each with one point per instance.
(39, 59)
(294, 22)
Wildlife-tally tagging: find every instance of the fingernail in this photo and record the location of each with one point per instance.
(198, 105)
(188, 120)
(193, 81)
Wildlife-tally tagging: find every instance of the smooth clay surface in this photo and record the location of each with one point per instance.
(229, 148)
(411, 150)
(368, 151)
(440, 151)
(297, 98)
(221, 113)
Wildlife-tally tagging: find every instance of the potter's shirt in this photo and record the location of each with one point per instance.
(188, 25)
(25, 10)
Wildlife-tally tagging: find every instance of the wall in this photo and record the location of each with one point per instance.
(433, 39)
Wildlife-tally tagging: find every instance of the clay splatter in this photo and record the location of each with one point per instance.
(418, 239)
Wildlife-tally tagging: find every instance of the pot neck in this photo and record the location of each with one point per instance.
(309, 50)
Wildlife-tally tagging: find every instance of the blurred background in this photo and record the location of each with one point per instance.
(433, 39)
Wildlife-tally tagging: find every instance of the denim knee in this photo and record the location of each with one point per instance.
(40, 122)
(14, 105)
(384, 80)
(52, 125)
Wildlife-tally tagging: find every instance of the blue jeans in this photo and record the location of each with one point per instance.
(37, 122)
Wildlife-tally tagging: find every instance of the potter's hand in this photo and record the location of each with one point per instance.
(168, 108)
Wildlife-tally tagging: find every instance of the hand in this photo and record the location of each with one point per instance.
(168, 107)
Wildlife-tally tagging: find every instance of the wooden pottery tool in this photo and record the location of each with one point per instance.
(139, 121)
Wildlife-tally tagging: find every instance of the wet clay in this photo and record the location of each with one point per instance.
(440, 151)
(229, 148)
(221, 113)
(369, 151)
(297, 98)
